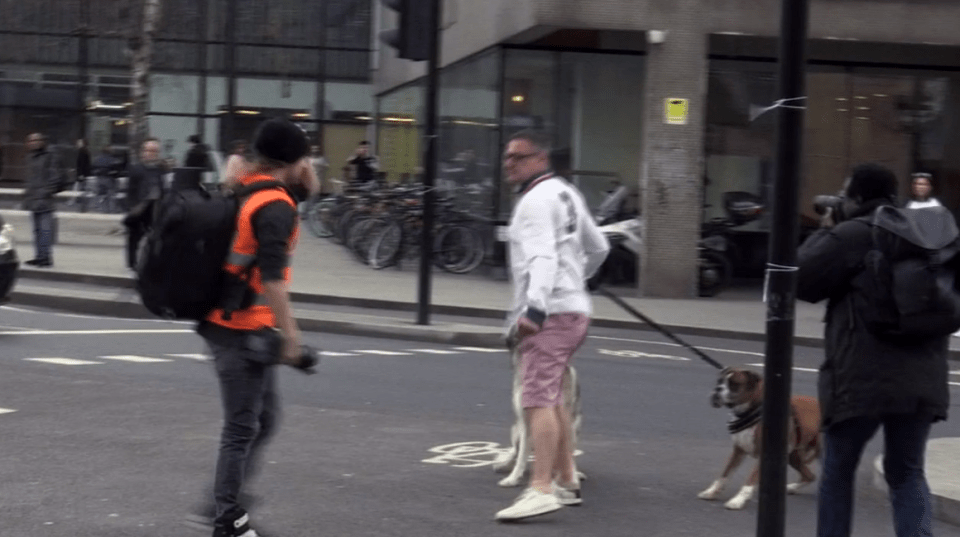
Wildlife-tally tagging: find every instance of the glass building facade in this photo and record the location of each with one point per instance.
(65, 70)
(587, 102)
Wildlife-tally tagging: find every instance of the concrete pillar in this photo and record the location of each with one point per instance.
(673, 155)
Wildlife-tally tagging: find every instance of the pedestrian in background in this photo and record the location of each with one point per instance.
(198, 156)
(320, 166)
(238, 164)
(364, 164)
(554, 247)
(866, 381)
(83, 171)
(921, 190)
(107, 169)
(145, 186)
(38, 197)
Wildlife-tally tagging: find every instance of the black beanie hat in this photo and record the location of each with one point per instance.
(872, 181)
(279, 139)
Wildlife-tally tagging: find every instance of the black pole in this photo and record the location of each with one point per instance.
(322, 80)
(203, 26)
(231, 60)
(84, 67)
(781, 269)
(430, 166)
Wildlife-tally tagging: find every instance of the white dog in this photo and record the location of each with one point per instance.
(520, 448)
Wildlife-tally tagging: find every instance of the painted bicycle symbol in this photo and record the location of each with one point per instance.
(467, 454)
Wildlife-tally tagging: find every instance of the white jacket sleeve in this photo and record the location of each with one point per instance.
(595, 246)
(537, 225)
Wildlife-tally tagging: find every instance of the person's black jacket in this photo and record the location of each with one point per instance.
(198, 157)
(145, 184)
(863, 376)
(84, 167)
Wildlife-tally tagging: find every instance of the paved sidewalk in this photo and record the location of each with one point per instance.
(91, 249)
(91, 245)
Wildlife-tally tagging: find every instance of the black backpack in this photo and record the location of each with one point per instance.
(908, 289)
(180, 262)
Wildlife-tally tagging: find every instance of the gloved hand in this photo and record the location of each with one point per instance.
(309, 358)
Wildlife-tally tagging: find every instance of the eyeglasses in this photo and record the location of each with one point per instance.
(517, 157)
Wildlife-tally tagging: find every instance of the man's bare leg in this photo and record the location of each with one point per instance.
(545, 433)
(564, 468)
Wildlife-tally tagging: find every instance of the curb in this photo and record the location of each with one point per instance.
(447, 334)
(125, 282)
(944, 509)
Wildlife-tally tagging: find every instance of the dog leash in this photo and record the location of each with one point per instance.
(630, 309)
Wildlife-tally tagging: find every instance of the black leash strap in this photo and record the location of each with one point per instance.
(630, 309)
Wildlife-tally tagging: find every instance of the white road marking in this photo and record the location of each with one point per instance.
(334, 353)
(94, 317)
(804, 369)
(955, 372)
(93, 332)
(645, 342)
(7, 410)
(135, 359)
(955, 383)
(386, 353)
(479, 349)
(63, 361)
(638, 354)
(435, 351)
(198, 357)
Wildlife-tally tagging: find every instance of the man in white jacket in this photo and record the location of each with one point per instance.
(554, 247)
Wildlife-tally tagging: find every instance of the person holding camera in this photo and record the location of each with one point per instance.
(868, 379)
(255, 329)
(921, 190)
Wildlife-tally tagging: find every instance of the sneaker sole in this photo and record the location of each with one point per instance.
(577, 502)
(543, 511)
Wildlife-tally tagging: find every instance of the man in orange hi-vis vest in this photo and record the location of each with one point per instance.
(255, 329)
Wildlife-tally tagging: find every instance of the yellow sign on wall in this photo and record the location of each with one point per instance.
(676, 111)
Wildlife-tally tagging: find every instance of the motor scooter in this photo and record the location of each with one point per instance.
(717, 252)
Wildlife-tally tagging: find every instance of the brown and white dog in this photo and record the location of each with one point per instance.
(741, 391)
(520, 446)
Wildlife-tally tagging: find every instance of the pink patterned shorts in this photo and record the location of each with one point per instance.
(546, 354)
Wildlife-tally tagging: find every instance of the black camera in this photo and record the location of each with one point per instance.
(832, 204)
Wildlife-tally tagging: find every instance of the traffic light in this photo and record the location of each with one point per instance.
(411, 37)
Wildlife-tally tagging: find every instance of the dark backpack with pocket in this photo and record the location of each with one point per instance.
(180, 262)
(907, 289)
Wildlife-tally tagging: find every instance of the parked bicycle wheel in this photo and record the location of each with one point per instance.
(361, 236)
(320, 218)
(385, 248)
(459, 249)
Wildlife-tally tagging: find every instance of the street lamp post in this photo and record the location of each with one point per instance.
(782, 270)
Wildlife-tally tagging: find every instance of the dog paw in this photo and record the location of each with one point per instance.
(712, 492)
(740, 500)
(509, 481)
(736, 503)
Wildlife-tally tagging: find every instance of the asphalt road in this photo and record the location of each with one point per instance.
(114, 427)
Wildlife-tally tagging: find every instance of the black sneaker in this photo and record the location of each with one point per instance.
(32, 262)
(235, 524)
(205, 512)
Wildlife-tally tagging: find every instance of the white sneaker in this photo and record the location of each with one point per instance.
(529, 504)
(567, 496)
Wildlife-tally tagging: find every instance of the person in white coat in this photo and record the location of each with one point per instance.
(554, 247)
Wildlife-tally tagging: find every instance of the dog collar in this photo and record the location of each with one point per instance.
(742, 422)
